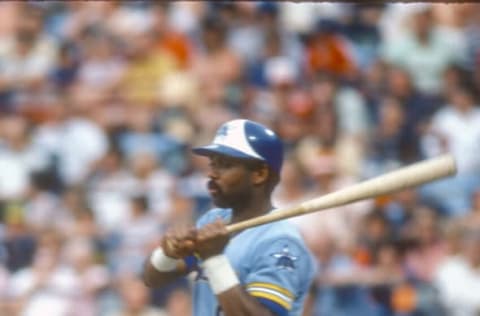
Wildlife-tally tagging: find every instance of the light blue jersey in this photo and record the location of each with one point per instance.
(272, 263)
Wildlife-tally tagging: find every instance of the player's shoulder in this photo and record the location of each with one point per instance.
(281, 229)
(214, 214)
(282, 233)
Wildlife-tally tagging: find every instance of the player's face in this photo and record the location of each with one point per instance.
(230, 182)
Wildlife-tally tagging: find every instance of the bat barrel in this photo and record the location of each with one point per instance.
(407, 177)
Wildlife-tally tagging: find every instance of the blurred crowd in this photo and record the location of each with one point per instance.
(100, 103)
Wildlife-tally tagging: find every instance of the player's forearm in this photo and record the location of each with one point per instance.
(237, 302)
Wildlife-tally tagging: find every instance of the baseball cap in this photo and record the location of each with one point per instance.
(248, 140)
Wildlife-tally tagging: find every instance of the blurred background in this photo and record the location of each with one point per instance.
(100, 103)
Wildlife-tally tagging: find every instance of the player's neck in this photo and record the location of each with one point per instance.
(250, 210)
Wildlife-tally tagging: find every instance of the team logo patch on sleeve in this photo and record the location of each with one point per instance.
(285, 259)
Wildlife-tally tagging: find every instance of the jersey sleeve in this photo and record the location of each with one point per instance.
(281, 273)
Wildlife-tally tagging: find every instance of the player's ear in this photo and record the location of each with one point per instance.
(260, 174)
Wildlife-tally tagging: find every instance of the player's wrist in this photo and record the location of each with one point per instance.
(220, 273)
(162, 262)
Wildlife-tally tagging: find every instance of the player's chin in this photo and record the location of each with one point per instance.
(220, 201)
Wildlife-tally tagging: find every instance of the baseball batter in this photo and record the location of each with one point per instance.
(266, 270)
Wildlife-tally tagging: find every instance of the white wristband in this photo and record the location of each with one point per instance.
(220, 274)
(162, 262)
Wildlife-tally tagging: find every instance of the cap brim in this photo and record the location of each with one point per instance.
(215, 149)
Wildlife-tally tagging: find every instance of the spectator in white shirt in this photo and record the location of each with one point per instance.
(455, 128)
(425, 51)
(18, 157)
(28, 55)
(458, 279)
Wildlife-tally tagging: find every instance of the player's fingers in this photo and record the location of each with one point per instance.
(185, 233)
(203, 233)
(220, 226)
(189, 245)
(192, 233)
(168, 243)
(208, 232)
(217, 228)
(177, 235)
(186, 238)
(167, 237)
(169, 246)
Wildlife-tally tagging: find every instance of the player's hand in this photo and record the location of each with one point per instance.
(211, 239)
(179, 242)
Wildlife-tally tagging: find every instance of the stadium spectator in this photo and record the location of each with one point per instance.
(101, 102)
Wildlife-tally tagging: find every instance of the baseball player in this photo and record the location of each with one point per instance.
(266, 270)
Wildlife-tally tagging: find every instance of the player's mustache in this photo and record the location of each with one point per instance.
(212, 185)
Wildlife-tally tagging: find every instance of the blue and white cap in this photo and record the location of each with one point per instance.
(246, 139)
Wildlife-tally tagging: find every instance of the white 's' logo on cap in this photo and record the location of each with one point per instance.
(233, 136)
(222, 133)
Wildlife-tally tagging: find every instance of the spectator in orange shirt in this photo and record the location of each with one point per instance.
(329, 52)
(169, 40)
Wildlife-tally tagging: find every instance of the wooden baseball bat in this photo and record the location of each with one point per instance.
(406, 177)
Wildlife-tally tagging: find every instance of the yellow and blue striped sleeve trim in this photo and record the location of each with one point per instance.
(276, 309)
(272, 292)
